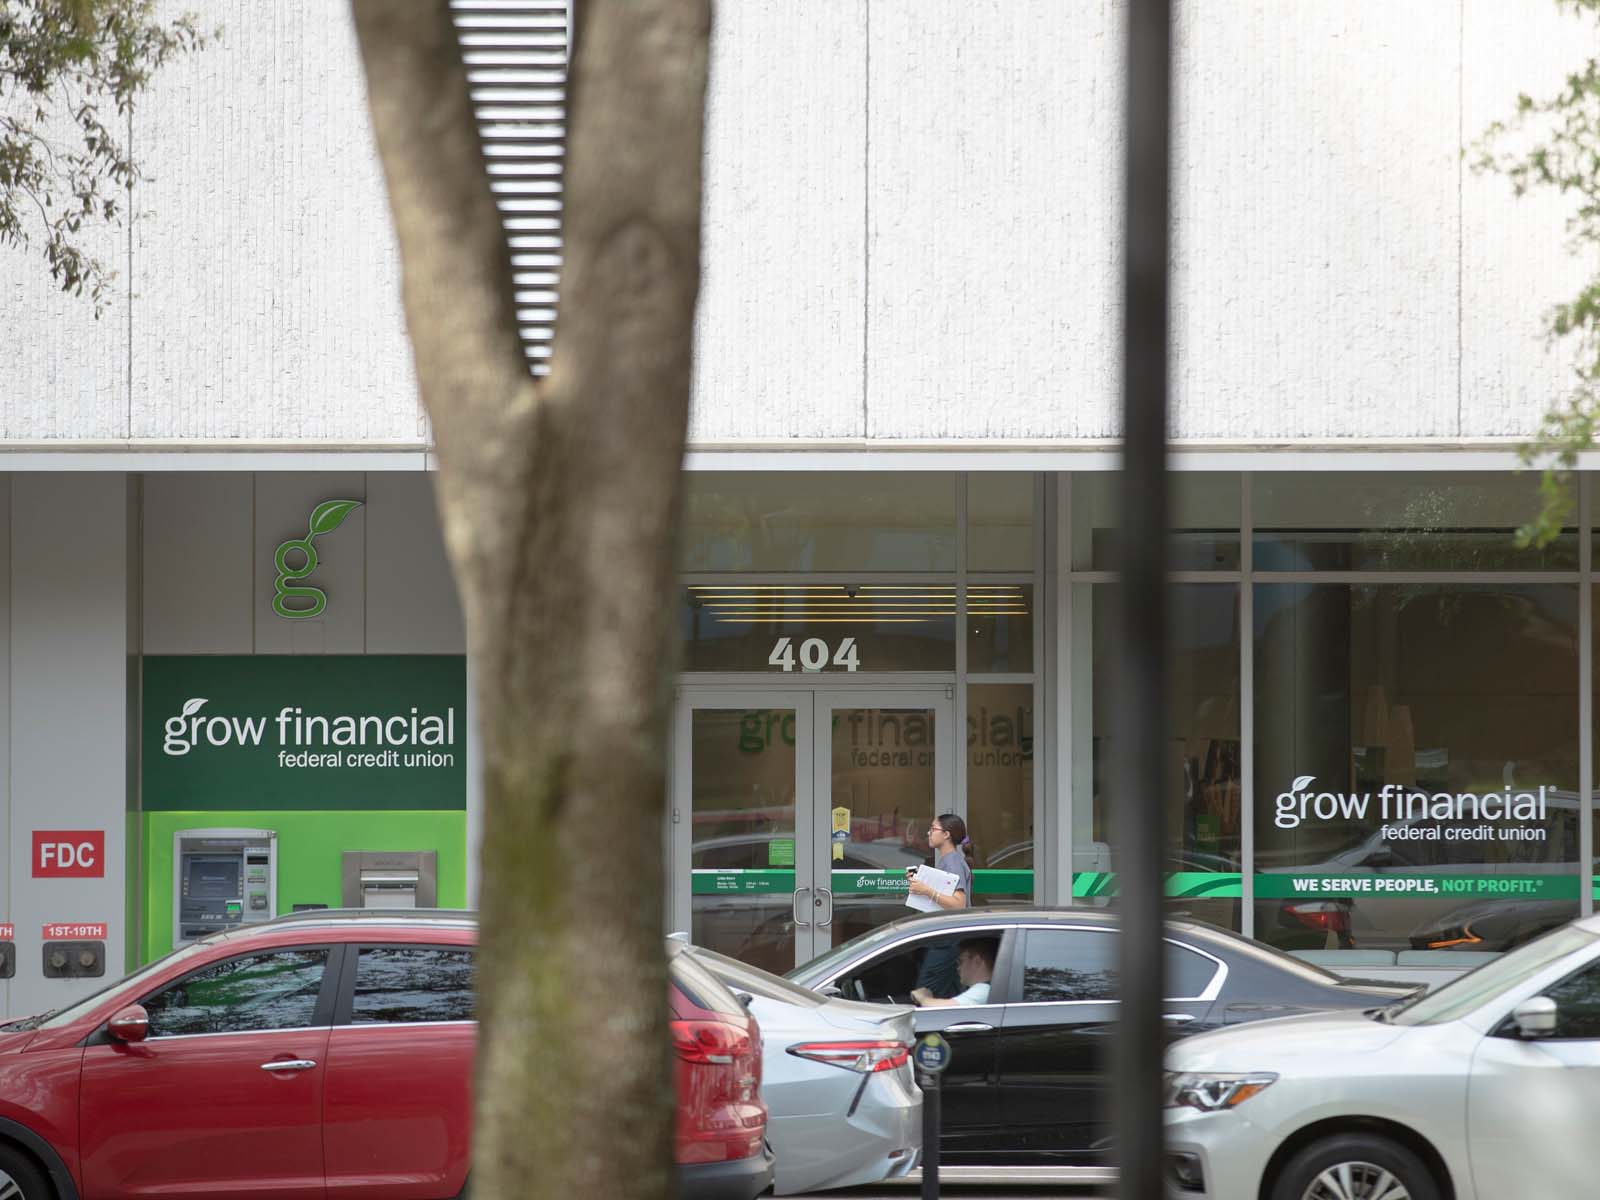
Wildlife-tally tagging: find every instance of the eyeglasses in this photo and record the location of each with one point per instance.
(935, 828)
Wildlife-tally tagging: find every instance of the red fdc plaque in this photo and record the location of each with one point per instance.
(69, 853)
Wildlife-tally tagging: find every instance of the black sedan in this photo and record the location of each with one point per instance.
(1028, 1083)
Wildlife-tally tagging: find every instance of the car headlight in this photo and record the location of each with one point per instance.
(1212, 1092)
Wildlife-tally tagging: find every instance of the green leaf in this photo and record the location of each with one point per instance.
(331, 514)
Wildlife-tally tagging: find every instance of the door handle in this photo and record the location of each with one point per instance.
(969, 1027)
(798, 920)
(1177, 1018)
(289, 1064)
(821, 892)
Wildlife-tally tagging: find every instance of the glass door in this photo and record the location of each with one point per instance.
(883, 770)
(740, 808)
(796, 812)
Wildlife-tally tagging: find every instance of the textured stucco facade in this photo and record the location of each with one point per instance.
(912, 211)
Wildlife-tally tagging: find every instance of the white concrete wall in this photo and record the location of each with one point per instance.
(67, 707)
(911, 215)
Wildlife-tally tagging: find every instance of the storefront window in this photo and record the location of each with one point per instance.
(1416, 764)
(1205, 509)
(1203, 793)
(819, 521)
(1000, 628)
(1000, 521)
(1387, 522)
(808, 628)
(1000, 790)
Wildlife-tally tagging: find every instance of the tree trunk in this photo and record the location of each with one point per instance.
(559, 502)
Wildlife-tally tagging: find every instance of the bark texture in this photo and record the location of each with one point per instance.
(559, 502)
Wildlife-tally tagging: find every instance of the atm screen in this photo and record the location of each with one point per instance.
(211, 878)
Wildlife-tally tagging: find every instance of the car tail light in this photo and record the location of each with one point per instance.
(1327, 915)
(709, 1042)
(865, 1057)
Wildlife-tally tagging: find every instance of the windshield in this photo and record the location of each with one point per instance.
(1473, 989)
(131, 985)
(754, 980)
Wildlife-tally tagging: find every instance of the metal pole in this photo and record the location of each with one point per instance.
(928, 1081)
(1141, 711)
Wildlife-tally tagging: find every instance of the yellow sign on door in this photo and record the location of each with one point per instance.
(841, 832)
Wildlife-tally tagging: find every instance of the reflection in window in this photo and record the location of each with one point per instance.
(1074, 964)
(1577, 1000)
(408, 984)
(819, 521)
(276, 990)
(1204, 789)
(1067, 965)
(1000, 785)
(1387, 522)
(1422, 730)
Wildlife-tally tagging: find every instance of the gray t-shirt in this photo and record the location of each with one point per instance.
(956, 863)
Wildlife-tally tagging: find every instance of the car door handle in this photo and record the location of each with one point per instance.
(1177, 1018)
(969, 1027)
(289, 1064)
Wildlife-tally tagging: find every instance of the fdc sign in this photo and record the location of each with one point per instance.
(69, 853)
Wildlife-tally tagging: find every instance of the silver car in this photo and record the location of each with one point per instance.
(1482, 1090)
(842, 1107)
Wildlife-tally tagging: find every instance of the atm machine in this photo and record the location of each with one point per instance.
(222, 879)
(390, 879)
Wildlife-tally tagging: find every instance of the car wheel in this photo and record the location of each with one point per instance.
(1355, 1167)
(20, 1179)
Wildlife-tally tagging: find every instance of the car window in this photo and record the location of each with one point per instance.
(1069, 964)
(411, 984)
(1577, 1000)
(928, 963)
(276, 989)
(1081, 964)
(1188, 973)
(129, 987)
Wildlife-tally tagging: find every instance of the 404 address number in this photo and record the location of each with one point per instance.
(815, 654)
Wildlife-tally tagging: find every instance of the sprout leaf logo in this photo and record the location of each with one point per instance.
(294, 601)
(190, 707)
(1302, 782)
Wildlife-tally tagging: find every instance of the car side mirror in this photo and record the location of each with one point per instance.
(131, 1024)
(830, 990)
(1535, 1017)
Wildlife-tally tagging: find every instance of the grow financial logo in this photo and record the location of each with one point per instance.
(294, 601)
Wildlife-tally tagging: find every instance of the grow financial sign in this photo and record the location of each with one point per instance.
(305, 732)
(1408, 814)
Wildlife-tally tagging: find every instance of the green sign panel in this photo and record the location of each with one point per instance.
(1195, 885)
(727, 882)
(1433, 886)
(303, 732)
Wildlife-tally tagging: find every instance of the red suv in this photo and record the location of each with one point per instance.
(329, 1052)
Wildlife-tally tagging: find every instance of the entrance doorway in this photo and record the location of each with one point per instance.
(797, 810)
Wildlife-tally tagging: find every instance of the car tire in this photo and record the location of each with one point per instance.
(1353, 1167)
(21, 1178)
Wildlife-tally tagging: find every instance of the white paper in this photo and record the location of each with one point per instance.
(942, 882)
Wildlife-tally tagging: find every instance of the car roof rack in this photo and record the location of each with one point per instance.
(400, 915)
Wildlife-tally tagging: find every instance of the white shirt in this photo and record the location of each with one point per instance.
(978, 993)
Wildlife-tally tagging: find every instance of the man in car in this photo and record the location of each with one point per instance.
(975, 966)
